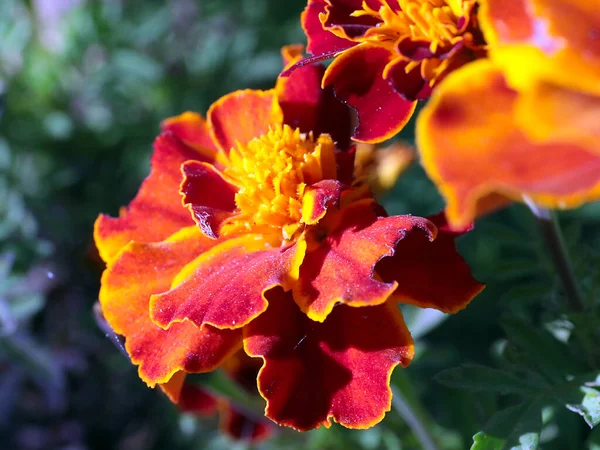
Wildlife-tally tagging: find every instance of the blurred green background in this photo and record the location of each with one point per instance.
(83, 88)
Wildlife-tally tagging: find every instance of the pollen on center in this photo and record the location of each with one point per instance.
(272, 172)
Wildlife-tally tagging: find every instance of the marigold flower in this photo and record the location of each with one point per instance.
(275, 250)
(504, 128)
(389, 53)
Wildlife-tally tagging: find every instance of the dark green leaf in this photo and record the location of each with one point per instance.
(480, 378)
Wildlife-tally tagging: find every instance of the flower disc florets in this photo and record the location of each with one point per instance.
(272, 172)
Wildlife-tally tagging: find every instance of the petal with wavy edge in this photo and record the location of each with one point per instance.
(224, 287)
(339, 20)
(157, 202)
(340, 369)
(138, 272)
(357, 79)
(242, 116)
(210, 198)
(430, 274)
(340, 269)
(471, 147)
(192, 129)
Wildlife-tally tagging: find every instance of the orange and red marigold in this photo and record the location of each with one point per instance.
(389, 53)
(275, 250)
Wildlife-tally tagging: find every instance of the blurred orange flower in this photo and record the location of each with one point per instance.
(523, 124)
(275, 250)
(389, 53)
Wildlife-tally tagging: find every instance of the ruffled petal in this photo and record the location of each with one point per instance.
(224, 287)
(140, 271)
(242, 116)
(192, 129)
(157, 202)
(320, 40)
(471, 147)
(340, 269)
(548, 40)
(339, 369)
(430, 274)
(306, 105)
(357, 78)
(209, 197)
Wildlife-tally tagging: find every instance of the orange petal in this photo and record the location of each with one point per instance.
(192, 129)
(357, 78)
(140, 271)
(430, 274)
(158, 202)
(225, 286)
(210, 198)
(550, 112)
(471, 147)
(549, 40)
(174, 387)
(242, 116)
(340, 268)
(339, 369)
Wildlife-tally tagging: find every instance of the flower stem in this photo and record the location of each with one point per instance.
(550, 230)
(413, 419)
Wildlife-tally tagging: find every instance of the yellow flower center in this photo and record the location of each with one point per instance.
(272, 172)
(435, 21)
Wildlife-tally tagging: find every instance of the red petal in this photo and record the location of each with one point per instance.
(225, 286)
(339, 369)
(411, 85)
(319, 39)
(241, 426)
(191, 128)
(357, 78)
(306, 105)
(209, 196)
(242, 116)
(339, 16)
(140, 271)
(157, 202)
(430, 274)
(340, 269)
(197, 401)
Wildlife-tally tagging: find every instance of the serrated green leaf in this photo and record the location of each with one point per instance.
(478, 378)
(543, 350)
(515, 428)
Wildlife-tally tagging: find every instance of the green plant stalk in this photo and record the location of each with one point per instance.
(551, 232)
(409, 408)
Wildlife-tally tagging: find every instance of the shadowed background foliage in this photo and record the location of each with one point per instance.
(83, 88)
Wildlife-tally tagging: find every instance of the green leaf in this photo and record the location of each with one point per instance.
(478, 378)
(514, 428)
(543, 350)
(587, 404)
